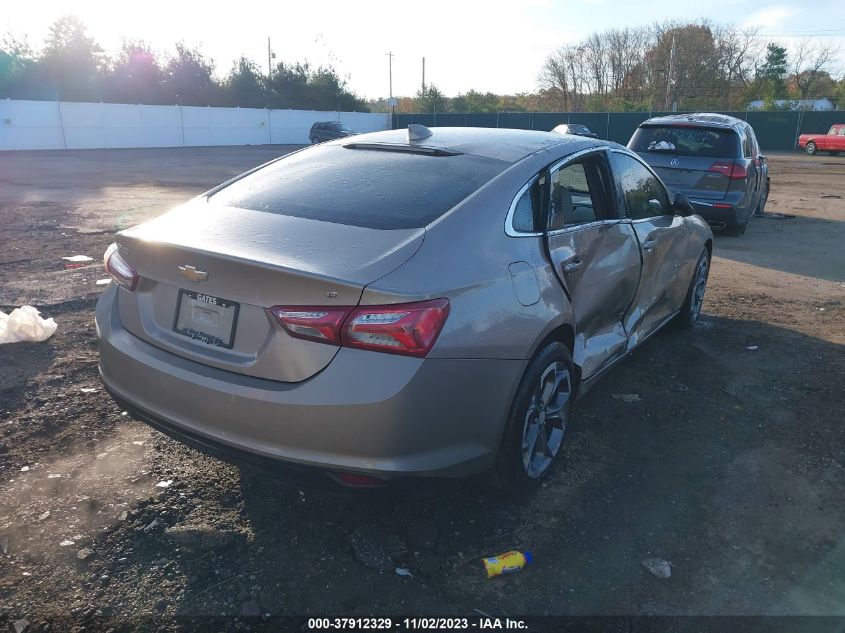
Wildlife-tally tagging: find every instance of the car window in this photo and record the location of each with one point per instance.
(755, 147)
(578, 194)
(527, 211)
(746, 145)
(389, 190)
(643, 193)
(842, 131)
(686, 141)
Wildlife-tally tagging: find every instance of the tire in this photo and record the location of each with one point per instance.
(736, 229)
(811, 148)
(538, 421)
(314, 140)
(691, 307)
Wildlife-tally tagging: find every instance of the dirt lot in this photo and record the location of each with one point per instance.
(730, 465)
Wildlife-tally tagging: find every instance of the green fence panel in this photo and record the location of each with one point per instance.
(623, 124)
(518, 120)
(545, 121)
(820, 122)
(777, 131)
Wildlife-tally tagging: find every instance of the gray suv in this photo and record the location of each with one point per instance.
(712, 158)
(329, 131)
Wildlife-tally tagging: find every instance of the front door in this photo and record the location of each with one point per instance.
(595, 254)
(663, 239)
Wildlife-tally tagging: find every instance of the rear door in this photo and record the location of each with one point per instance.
(693, 159)
(595, 254)
(663, 239)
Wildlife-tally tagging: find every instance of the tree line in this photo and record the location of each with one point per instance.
(664, 66)
(71, 66)
(688, 66)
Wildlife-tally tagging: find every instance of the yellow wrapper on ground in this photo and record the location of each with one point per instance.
(506, 563)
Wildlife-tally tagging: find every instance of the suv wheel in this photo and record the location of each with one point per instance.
(538, 421)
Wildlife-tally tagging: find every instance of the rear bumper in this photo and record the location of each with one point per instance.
(384, 415)
(721, 215)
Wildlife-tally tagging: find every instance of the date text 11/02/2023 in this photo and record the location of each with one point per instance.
(417, 623)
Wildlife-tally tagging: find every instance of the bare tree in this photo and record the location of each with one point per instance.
(810, 64)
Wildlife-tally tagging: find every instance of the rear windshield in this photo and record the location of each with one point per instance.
(368, 188)
(578, 128)
(686, 141)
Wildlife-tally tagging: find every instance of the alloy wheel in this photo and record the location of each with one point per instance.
(699, 286)
(546, 419)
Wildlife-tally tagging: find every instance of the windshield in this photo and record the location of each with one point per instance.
(344, 128)
(686, 141)
(362, 187)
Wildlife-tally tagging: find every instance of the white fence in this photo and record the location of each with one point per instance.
(64, 125)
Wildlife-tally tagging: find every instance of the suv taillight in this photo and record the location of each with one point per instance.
(410, 329)
(119, 269)
(734, 171)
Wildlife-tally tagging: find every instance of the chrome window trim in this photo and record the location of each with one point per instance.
(511, 232)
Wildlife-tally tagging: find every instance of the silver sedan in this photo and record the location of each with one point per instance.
(405, 303)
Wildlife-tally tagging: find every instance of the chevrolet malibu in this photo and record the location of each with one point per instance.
(409, 303)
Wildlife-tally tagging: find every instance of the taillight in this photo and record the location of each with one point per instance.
(734, 171)
(409, 329)
(739, 172)
(119, 269)
(404, 328)
(312, 323)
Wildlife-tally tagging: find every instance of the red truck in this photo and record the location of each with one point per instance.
(833, 141)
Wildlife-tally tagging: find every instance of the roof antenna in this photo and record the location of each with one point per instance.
(417, 132)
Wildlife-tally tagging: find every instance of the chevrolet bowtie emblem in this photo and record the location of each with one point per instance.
(191, 273)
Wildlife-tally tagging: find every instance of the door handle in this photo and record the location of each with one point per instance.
(649, 244)
(571, 265)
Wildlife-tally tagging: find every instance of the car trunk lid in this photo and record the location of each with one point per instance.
(695, 176)
(208, 274)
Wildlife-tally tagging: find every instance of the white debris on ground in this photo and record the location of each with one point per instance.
(627, 397)
(658, 567)
(25, 324)
(78, 259)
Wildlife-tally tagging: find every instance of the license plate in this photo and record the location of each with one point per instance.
(210, 320)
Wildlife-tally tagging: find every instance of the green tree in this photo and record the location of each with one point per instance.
(189, 78)
(299, 86)
(72, 63)
(136, 76)
(17, 65)
(245, 85)
(430, 99)
(771, 73)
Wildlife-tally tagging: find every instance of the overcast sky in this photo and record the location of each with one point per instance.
(482, 45)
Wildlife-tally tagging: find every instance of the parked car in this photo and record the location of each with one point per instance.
(328, 131)
(832, 142)
(407, 303)
(712, 158)
(576, 129)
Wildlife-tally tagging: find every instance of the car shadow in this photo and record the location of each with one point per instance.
(726, 463)
(800, 245)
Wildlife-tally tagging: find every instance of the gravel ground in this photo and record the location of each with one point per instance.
(729, 465)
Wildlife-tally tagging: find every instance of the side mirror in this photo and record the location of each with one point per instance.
(682, 205)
